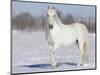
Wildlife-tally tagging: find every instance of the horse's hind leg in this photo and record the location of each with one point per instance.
(84, 52)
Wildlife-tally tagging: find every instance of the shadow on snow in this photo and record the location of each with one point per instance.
(48, 65)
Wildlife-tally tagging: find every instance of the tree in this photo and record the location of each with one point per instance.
(13, 22)
(24, 20)
(68, 19)
(43, 22)
(59, 13)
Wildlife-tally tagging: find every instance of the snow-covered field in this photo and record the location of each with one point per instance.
(30, 53)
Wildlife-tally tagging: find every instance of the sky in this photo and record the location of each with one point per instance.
(38, 9)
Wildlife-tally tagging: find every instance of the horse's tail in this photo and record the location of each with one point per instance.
(85, 51)
(84, 42)
(86, 48)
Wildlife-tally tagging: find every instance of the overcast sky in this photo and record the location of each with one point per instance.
(37, 9)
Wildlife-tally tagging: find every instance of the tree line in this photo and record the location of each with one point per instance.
(25, 21)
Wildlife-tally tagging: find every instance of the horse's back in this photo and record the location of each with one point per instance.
(78, 29)
(80, 26)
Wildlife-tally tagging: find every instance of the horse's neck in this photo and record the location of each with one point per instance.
(55, 24)
(58, 20)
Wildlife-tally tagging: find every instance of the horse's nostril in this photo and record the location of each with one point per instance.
(50, 26)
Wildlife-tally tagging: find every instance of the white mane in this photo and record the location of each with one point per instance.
(57, 19)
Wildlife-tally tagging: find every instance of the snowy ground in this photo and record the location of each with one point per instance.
(30, 53)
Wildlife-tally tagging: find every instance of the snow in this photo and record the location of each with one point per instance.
(30, 53)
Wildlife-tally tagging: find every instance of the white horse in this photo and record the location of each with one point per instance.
(60, 34)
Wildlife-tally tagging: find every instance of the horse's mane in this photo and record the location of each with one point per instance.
(58, 19)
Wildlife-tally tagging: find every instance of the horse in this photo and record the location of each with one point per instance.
(60, 34)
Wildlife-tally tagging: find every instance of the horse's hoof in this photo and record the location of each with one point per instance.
(54, 66)
(85, 64)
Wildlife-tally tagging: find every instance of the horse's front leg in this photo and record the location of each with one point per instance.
(53, 57)
(52, 51)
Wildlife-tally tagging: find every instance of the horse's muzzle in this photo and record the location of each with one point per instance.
(50, 26)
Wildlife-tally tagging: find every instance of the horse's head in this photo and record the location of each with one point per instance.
(51, 12)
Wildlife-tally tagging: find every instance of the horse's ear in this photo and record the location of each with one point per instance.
(48, 7)
(53, 7)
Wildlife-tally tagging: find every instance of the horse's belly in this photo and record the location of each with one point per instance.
(69, 40)
(64, 39)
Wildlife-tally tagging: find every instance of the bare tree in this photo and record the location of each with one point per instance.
(89, 22)
(13, 22)
(43, 22)
(68, 19)
(24, 20)
(59, 13)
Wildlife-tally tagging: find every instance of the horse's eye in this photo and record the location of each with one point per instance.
(47, 15)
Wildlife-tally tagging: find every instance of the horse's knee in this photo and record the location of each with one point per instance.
(53, 58)
(52, 52)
